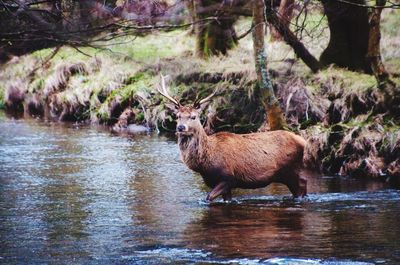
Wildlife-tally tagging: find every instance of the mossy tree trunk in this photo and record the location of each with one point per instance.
(213, 37)
(349, 29)
(275, 116)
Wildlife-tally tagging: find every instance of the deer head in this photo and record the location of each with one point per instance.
(188, 116)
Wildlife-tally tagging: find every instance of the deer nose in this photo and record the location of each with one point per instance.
(180, 128)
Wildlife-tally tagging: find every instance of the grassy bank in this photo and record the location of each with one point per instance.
(343, 114)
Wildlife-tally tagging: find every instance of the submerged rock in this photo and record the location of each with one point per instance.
(131, 129)
(125, 123)
(135, 129)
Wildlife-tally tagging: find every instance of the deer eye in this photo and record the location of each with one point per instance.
(193, 117)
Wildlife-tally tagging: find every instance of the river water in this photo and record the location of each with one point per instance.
(74, 194)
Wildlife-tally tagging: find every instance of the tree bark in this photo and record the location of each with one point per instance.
(214, 37)
(349, 28)
(374, 52)
(275, 116)
(192, 15)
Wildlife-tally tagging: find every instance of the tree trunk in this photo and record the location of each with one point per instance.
(213, 37)
(192, 15)
(274, 112)
(389, 98)
(285, 13)
(374, 52)
(290, 38)
(349, 28)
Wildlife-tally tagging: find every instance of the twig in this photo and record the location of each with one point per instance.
(48, 58)
(241, 36)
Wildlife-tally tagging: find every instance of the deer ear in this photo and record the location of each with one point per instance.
(174, 108)
(202, 107)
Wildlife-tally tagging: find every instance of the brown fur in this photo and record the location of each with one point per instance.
(227, 161)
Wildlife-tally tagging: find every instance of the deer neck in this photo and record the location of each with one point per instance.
(194, 149)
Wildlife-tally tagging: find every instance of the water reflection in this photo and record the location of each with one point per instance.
(269, 228)
(81, 195)
(237, 230)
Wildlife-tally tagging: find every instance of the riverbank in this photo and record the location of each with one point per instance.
(352, 126)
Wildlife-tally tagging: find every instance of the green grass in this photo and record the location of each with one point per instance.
(139, 81)
(348, 80)
(390, 22)
(151, 47)
(393, 66)
(36, 85)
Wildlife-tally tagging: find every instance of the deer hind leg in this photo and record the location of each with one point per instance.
(227, 196)
(223, 188)
(296, 183)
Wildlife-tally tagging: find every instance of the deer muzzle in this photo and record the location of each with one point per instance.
(181, 128)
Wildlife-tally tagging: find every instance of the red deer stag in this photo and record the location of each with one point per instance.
(227, 161)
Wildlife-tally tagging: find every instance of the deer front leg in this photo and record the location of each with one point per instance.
(223, 188)
(296, 183)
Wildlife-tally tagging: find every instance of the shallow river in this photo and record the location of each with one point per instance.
(79, 195)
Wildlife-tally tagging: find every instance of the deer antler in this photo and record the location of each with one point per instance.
(204, 100)
(163, 91)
